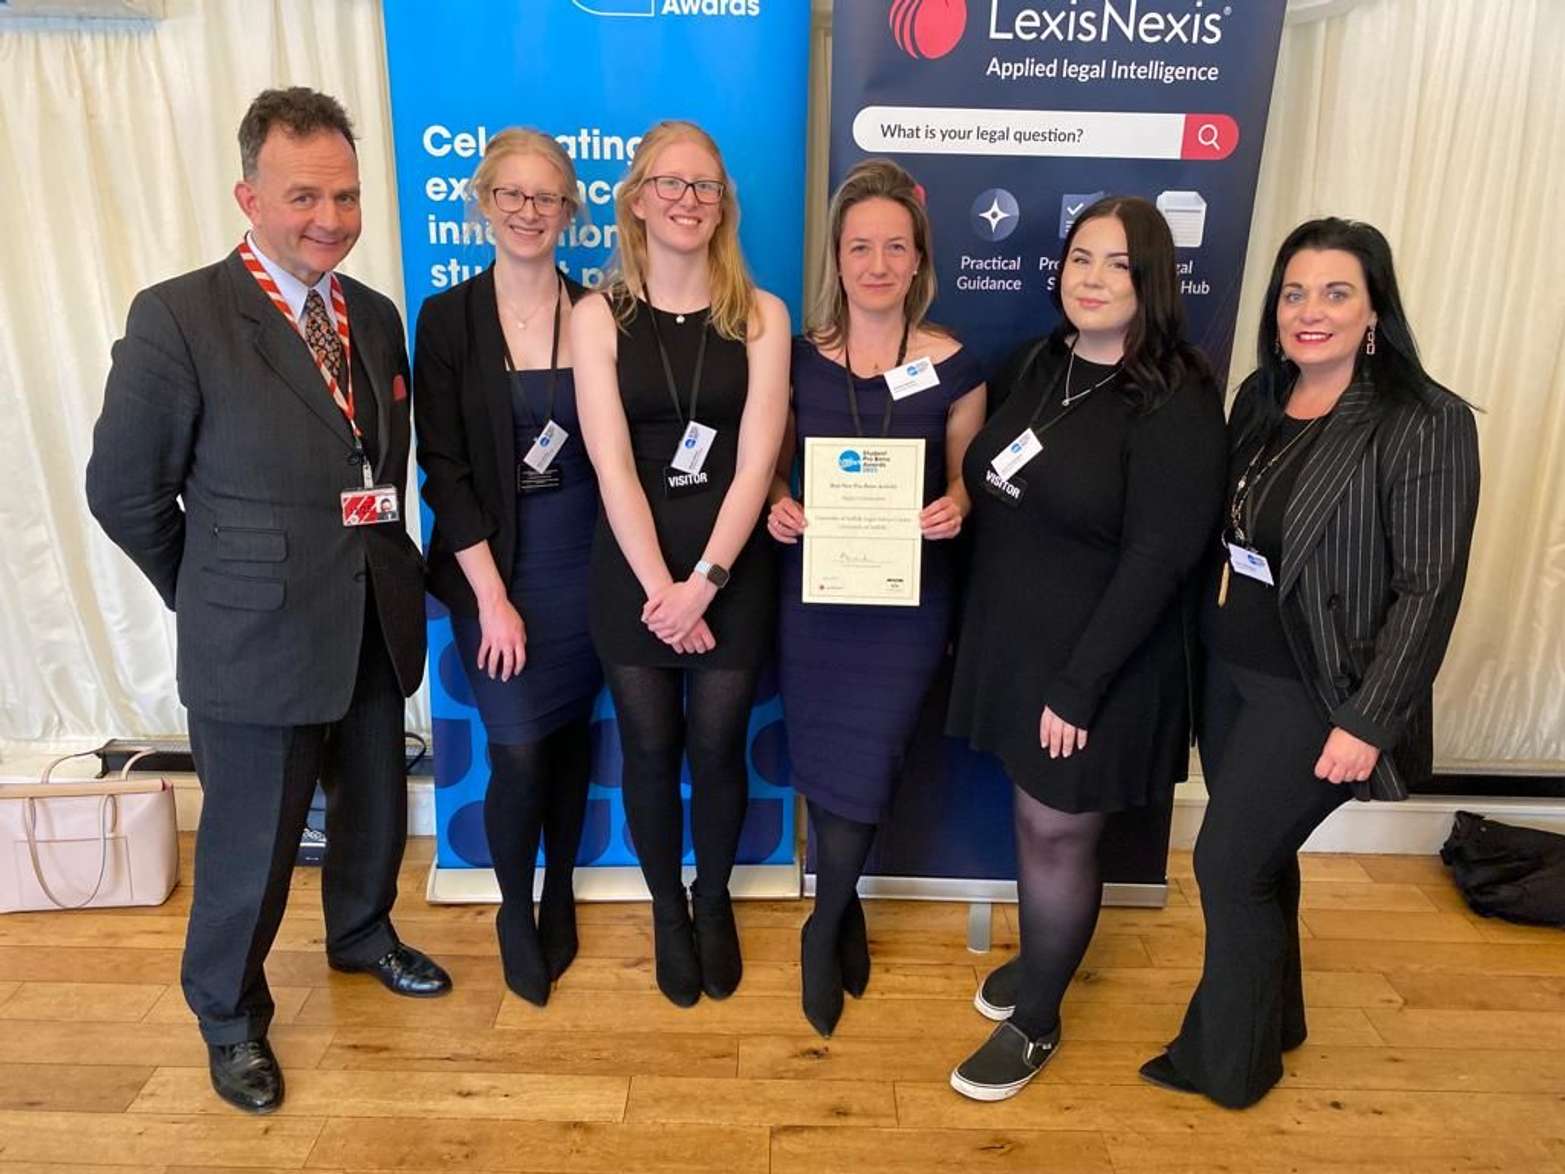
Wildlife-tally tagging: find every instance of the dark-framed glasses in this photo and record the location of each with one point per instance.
(672, 188)
(514, 200)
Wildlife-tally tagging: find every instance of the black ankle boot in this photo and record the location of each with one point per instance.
(557, 929)
(521, 960)
(717, 941)
(853, 950)
(678, 967)
(820, 974)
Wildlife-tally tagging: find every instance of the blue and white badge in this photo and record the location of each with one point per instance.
(693, 447)
(546, 447)
(912, 378)
(1251, 564)
(1010, 459)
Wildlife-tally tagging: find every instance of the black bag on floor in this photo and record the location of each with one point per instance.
(1504, 871)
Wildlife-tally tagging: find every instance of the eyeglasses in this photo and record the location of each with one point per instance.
(514, 200)
(672, 188)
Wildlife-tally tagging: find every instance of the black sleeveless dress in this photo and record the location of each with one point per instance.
(744, 612)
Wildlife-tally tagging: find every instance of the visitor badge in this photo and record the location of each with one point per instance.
(1010, 459)
(547, 445)
(370, 507)
(1251, 564)
(693, 447)
(911, 378)
(1008, 491)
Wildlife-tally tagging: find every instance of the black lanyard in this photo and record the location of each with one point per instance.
(554, 363)
(853, 394)
(668, 368)
(1259, 483)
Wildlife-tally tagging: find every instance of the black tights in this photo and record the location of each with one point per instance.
(1059, 889)
(841, 847)
(538, 788)
(702, 714)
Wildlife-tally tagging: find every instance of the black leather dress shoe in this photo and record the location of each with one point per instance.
(246, 1075)
(403, 971)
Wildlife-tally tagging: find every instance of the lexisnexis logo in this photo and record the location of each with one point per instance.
(1137, 22)
(650, 8)
(926, 29)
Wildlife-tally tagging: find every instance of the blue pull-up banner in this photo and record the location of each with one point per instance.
(594, 74)
(1014, 115)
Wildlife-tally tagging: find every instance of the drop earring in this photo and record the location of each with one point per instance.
(1369, 340)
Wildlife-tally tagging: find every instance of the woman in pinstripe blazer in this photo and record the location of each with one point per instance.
(1353, 489)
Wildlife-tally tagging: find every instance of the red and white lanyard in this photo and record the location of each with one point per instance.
(342, 397)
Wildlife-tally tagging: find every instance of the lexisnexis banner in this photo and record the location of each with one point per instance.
(593, 74)
(1015, 116)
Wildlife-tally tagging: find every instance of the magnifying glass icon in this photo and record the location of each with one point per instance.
(1206, 136)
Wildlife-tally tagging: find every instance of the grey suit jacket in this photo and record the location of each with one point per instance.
(1374, 557)
(216, 466)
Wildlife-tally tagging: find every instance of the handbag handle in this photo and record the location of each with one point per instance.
(107, 811)
(124, 771)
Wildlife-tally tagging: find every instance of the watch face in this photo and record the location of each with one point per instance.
(717, 576)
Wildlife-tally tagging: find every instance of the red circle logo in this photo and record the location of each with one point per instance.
(927, 29)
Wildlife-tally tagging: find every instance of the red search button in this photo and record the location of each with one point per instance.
(1209, 136)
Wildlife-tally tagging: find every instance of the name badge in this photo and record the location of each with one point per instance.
(911, 378)
(532, 481)
(1009, 491)
(678, 483)
(370, 507)
(546, 447)
(1013, 456)
(1251, 564)
(693, 447)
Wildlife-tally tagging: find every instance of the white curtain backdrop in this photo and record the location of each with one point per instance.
(1442, 121)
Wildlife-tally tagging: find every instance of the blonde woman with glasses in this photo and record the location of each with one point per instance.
(683, 375)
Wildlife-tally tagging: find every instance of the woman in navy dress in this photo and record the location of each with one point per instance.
(684, 390)
(854, 677)
(514, 499)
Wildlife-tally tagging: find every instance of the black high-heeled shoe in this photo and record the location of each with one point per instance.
(557, 932)
(717, 943)
(820, 978)
(521, 961)
(853, 950)
(678, 966)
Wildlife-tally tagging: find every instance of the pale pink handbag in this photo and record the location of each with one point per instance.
(87, 843)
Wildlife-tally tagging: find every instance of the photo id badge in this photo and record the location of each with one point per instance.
(546, 447)
(679, 483)
(693, 447)
(912, 378)
(1251, 564)
(1008, 491)
(1010, 459)
(370, 507)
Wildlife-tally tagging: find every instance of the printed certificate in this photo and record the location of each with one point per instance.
(862, 499)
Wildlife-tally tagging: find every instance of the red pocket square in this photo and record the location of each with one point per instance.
(399, 389)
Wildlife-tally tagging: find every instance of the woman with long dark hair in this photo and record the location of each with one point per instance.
(682, 366)
(854, 678)
(1096, 486)
(1353, 486)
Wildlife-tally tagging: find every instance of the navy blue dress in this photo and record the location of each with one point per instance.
(548, 583)
(854, 677)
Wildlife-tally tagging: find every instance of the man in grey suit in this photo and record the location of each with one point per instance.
(251, 458)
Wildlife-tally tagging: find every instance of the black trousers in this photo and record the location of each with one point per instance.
(1261, 737)
(257, 782)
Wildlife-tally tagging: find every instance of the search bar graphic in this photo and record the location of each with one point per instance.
(1071, 134)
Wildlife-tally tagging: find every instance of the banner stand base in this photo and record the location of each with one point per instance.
(477, 886)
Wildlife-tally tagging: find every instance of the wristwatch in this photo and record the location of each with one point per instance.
(715, 575)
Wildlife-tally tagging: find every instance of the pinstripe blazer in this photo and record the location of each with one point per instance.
(1374, 556)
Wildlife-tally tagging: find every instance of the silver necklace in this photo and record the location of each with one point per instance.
(522, 320)
(1069, 367)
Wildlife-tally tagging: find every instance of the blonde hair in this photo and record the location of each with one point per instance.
(733, 291)
(524, 140)
(873, 179)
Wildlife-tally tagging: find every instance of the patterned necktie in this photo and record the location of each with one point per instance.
(322, 335)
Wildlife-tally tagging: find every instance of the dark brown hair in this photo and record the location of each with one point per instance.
(299, 110)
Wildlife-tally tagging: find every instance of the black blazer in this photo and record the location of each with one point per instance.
(216, 466)
(466, 435)
(1374, 556)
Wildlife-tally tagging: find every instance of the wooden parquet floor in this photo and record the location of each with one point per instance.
(1437, 1044)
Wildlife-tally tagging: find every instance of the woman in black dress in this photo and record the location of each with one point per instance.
(513, 497)
(854, 678)
(1353, 487)
(683, 377)
(1096, 486)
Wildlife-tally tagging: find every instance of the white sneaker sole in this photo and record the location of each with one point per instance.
(987, 1092)
(988, 1010)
